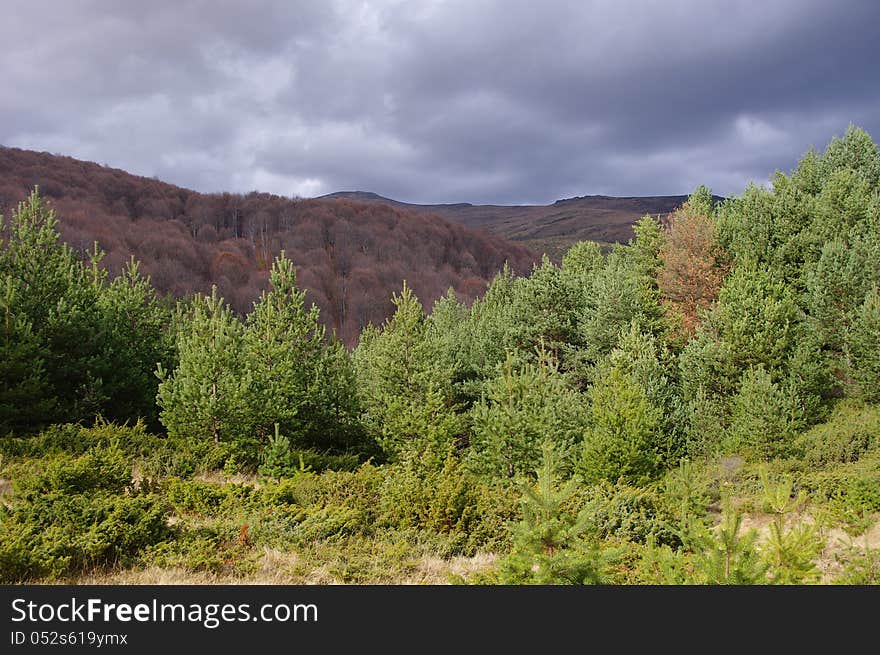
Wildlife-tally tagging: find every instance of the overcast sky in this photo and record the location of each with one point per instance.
(440, 101)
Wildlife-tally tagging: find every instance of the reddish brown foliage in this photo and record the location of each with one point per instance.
(350, 256)
(692, 272)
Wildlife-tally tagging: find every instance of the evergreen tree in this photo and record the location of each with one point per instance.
(726, 556)
(55, 294)
(278, 459)
(764, 417)
(754, 323)
(841, 205)
(521, 409)
(208, 395)
(835, 288)
(283, 344)
(545, 309)
(701, 202)
(332, 407)
(584, 258)
(548, 544)
(487, 334)
(621, 442)
(134, 338)
(26, 399)
(98, 341)
(643, 251)
(863, 348)
(649, 364)
(811, 381)
(705, 421)
(790, 552)
(785, 228)
(406, 394)
(855, 150)
(616, 297)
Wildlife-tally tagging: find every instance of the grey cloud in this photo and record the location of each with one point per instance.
(495, 101)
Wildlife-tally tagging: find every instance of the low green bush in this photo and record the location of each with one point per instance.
(223, 549)
(55, 439)
(851, 431)
(194, 497)
(100, 468)
(625, 512)
(75, 439)
(859, 566)
(72, 513)
(56, 534)
(450, 501)
(850, 491)
(279, 460)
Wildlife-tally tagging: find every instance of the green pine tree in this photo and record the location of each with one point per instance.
(754, 323)
(26, 399)
(726, 555)
(624, 436)
(283, 344)
(521, 408)
(790, 552)
(208, 395)
(278, 459)
(764, 417)
(135, 338)
(98, 340)
(405, 390)
(549, 547)
(583, 258)
(863, 348)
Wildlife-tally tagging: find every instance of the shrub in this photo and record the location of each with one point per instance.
(74, 513)
(57, 534)
(98, 469)
(628, 513)
(222, 550)
(850, 432)
(859, 567)
(852, 491)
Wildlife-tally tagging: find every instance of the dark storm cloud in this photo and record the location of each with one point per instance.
(436, 101)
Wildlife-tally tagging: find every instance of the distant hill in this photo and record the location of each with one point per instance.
(350, 255)
(551, 228)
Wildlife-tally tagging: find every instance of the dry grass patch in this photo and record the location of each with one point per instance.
(279, 567)
(219, 477)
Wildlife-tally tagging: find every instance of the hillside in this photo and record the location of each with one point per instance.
(551, 228)
(350, 256)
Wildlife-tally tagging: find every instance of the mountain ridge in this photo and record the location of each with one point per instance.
(551, 228)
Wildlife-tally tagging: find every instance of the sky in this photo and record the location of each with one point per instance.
(502, 102)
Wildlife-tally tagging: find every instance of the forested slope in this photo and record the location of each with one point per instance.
(350, 256)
